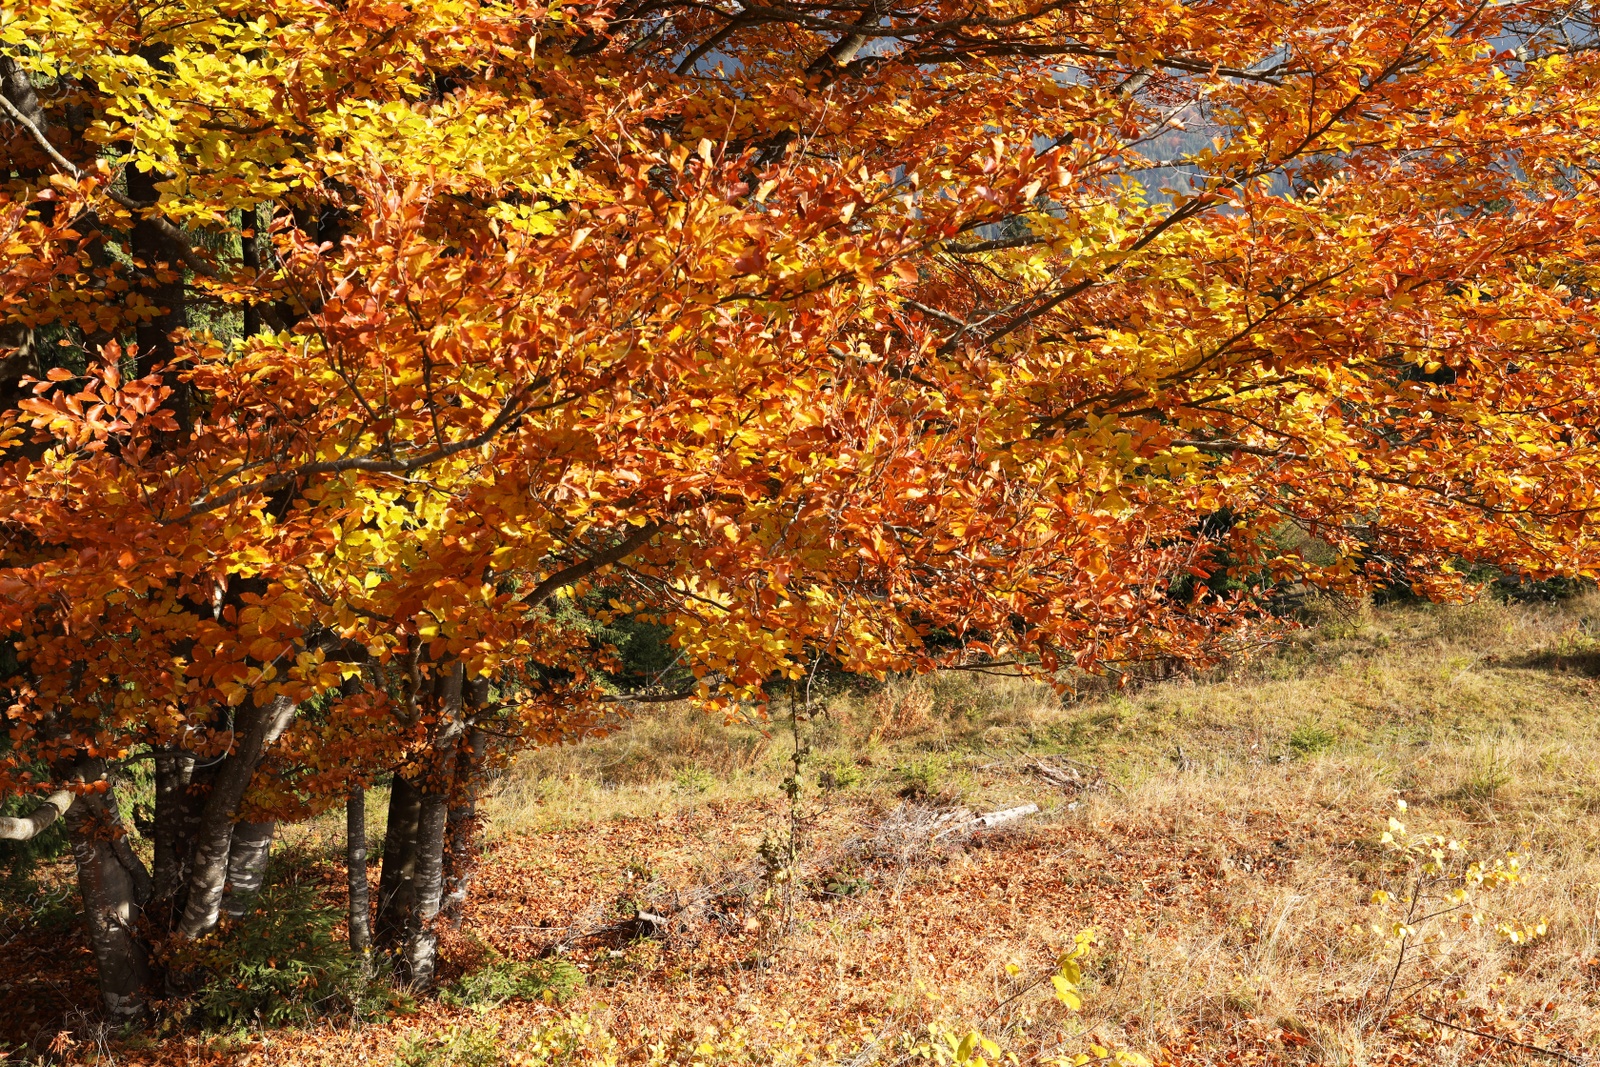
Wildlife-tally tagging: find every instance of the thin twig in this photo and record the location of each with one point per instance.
(1505, 1040)
(1405, 940)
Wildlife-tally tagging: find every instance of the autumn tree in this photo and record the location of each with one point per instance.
(363, 360)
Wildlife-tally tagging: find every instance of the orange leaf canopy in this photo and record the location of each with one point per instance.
(897, 333)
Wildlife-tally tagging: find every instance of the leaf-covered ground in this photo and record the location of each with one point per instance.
(1221, 836)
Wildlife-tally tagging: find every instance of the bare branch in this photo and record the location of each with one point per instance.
(1022, 241)
(1541, 1050)
(1226, 448)
(915, 305)
(32, 825)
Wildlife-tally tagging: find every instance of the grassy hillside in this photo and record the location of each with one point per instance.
(1221, 836)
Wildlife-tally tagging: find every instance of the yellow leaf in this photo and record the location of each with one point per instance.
(1066, 994)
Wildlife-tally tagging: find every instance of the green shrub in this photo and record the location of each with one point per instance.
(503, 980)
(1484, 779)
(692, 780)
(843, 883)
(922, 778)
(838, 773)
(23, 898)
(1310, 738)
(458, 1047)
(282, 964)
(576, 1039)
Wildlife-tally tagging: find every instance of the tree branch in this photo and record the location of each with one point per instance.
(1022, 241)
(32, 825)
(371, 464)
(584, 568)
(179, 240)
(1225, 448)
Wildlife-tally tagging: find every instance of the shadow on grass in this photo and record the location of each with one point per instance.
(1585, 663)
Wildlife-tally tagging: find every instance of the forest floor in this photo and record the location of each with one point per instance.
(1222, 837)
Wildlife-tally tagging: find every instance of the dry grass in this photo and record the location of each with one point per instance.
(1229, 869)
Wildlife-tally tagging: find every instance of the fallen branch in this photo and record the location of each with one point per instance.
(990, 820)
(963, 819)
(1068, 776)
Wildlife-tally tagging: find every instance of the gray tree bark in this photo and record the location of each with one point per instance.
(248, 851)
(173, 807)
(18, 88)
(255, 728)
(397, 879)
(38, 820)
(18, 356)
(251, 242)
(461, 826)
(355, 824)
(420, 951)
(149, 245)
(112, 883)
(410, 900)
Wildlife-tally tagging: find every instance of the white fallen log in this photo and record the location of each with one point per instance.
(989, 820)
(37, 821)
(966, 820)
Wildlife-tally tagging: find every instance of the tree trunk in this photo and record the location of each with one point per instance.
(461, 827)
(248, 851)
(410, 900)
(250, 242)
(18, 340)
(420, 952)
(255, 729)
(163, 283)
(17, 87)
(355, 824)
(173, 834)
(396, 882)
(109, 879)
